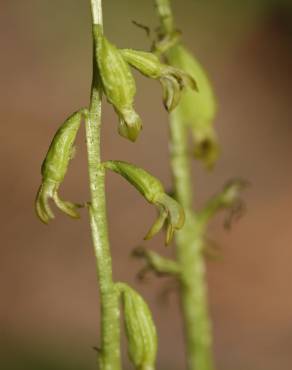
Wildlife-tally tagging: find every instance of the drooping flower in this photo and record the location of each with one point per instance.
(170, 211)
(54, 169)
(173, 80)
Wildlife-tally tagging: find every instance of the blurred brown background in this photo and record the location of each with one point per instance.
(49, 302)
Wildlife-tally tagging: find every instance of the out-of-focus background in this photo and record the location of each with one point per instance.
(48, 291)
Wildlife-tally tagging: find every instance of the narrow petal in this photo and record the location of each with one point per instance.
(67, 207)
(171, 92)
(42, 206)
(158, 224)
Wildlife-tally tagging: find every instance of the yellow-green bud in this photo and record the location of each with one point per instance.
(54, 169)
(140, 329)
(118, 84)
(170, 212)
(197, 110)
(227, 199)
(173, 80)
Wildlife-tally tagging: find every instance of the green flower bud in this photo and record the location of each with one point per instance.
(54, 169)
(170, 212)
(140, 329)
(232, 191)
(227, 199)
(197, 110)
(118, 85)
(173, 80)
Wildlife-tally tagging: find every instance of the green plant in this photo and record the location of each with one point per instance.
(188, 95)
(112, 77)
(195, 113)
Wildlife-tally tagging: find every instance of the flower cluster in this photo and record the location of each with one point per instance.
(119, 85)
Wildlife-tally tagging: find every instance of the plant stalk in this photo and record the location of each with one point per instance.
(190, 239)
(189, 242)
(109, 354)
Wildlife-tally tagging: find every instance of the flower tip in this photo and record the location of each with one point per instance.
(152, 232)
(191, 83)
(130, 125)
(42, 207)
(169, 235)
(171, 92)
(208, 152)
(158, 224)
(182, 219)
(233, 189)
(43, 217)
(148, 236)
(179, 222)
(70, 209)
(48, 190)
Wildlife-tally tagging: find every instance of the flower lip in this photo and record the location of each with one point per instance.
(49, 190)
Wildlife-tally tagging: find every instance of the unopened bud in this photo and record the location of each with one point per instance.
(140, 329)
(228, 199)
(118, 84)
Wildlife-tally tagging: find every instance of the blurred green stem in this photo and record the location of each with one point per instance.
(165, 14)
(109, 354)
(190, 258)
(190, 239)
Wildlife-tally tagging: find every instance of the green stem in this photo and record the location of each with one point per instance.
(165, 15)
(190, 258)
(109, 356)
(190, 239)
(96, 12)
